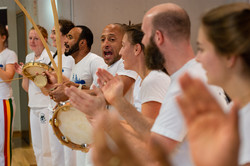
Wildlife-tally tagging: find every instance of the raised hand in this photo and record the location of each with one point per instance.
(113, 90)
(88, 104)
(103, 77)
(213, 135)
(116, 144)
(110, 144)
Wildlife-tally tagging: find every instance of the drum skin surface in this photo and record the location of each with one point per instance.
(34, 70)
(72, 127)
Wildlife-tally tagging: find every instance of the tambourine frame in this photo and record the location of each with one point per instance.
(64, 106)
(34, 64)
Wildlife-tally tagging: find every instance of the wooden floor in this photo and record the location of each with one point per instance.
(22, 153)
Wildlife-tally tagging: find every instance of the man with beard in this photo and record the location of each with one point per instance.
(111, 43)
(166, 30)
(78, 45)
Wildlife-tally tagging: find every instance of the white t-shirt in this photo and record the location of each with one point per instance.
(244, 124)
(7, 56)
(67, 64)
(154, 87)
(170, 122)
(84, 71)
(136, 91)
(36, 98)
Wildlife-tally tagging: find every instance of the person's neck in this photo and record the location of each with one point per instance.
(2, 48)
(238, 90)
(80, 55)
(38, 54)
(178, 58)
(141, 68)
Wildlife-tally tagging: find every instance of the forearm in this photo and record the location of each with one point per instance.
(25, 84)
(141, 124)
(6, 75)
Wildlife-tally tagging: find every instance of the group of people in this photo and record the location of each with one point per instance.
(158, 103)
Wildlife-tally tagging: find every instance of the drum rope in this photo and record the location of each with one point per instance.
(14, 79)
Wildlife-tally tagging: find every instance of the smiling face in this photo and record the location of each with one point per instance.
(111, 42)
(35, 43)
(128, 53)
(212, 62)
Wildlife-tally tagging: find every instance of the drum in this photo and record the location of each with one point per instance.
(34, 70)
(72, 127)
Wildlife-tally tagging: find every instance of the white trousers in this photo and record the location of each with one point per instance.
(39, 121)
(61, 155)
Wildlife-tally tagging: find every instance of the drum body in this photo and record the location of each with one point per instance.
(34, 70)
(72, 127)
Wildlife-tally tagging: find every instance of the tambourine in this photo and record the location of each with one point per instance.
(34, 70)
(71, 127)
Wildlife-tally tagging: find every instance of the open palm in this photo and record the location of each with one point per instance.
(212, 134)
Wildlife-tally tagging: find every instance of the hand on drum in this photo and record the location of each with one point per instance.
(213, 135)
(51, 77)
(88, 104)
(57, 94)
(18, 68)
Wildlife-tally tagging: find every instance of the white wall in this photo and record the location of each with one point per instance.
(96, 14)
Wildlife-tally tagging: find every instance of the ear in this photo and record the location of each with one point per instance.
(137, 49)
(3, 38)
(159, 38)
(82, 42)
(232, 60)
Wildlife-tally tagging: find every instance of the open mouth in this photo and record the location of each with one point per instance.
(107, 54)
(66, 45)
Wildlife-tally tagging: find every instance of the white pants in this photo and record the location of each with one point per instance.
(61, 155)
(39, 121)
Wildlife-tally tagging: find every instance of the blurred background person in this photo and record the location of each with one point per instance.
(38, 102)
(7, 106)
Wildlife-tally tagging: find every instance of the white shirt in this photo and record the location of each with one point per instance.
(68, 63)
(137, 88)
(244, 124)
(170, 122)
(7, 56)
(154, 87)
(36, 98)
(84, 71)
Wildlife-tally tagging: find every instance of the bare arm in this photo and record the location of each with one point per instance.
(151, 109)
(127, 82)
(139, 122)
(168, 144)
(248, 164)
(8, 73)
(25, 84)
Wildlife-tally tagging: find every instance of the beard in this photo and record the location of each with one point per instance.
(72, 50)
(153, 57)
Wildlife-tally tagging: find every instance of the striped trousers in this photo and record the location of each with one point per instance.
(6, 118)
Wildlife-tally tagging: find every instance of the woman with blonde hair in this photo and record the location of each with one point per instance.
(38, 102)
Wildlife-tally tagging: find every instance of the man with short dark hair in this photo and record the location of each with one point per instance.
(78, 45)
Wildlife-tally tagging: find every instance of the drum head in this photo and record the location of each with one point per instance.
(33, 68)
(72, 128)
